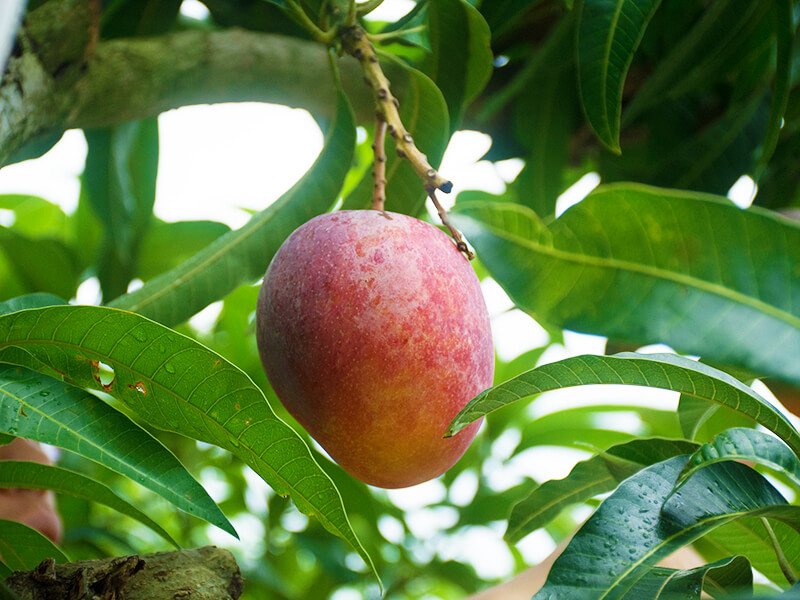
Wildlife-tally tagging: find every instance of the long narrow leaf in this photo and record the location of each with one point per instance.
(243, 255)
(176, 384)
(22, 548)
(40, 408)
(33, 475)
(653, 265)
(664, 371)
(634, 528)
(728, 574)
(609, 32)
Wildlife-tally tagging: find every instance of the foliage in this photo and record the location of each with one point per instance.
(670, 104)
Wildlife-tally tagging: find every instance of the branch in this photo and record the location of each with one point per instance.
(206, 573)
(132, 79)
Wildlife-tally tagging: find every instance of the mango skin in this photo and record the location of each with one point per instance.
(374, 333)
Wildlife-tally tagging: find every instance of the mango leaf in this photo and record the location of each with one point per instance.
(120, 183)
(597, 475)
(650, 265)
(33, 475)
(176, 384)
(500, 13)
(40, 408)
(29, 301)
(461, 53)
(243, 255)
(35, 217)
(637, 526)
(424, 113)
(728, 574)
(41, 265)
(22, 548)
(707, 51)
(664, 371)
(744, 445)
(609, 32)
(167, 245)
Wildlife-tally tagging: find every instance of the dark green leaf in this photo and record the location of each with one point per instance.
(40, 408)
(179, 385)
(424, 113)
(22, 548)
(33, 475)
(243, 255)
(664, 371)
(744, 445)
(650, 265)
(501, 13)
(120, 182)
(634, 528)
(29, 301)
(609, 32)
(166, 245)
(597, 475)
(461, 60)
(42, 265)
(686, 584)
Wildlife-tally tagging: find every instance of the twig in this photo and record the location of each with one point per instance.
(324, 37)
(786, 568)
(459, 240)
(367, 7)
(356, 43)
(378, 146)
(392, 35)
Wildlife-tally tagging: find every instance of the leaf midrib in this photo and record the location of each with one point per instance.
(650, 271)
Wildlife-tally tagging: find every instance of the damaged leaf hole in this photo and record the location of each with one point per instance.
(104, 374)
(139, 387)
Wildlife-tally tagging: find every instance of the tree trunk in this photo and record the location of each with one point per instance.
(207, 573)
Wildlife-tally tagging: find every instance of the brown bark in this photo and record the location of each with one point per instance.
(207, 573)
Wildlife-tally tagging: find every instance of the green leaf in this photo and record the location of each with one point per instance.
(120, 183)
(42, 265)
(166, 245)
(243, 255)
(424, 113)
(40, 408)
(29, 301)
(664, 371)
(728, 574)
(708, 50)
(597, 475)
(501, 13)
(744, 445)
(177, 384)
(461, 59)
(634, 528)
(22, 548)
(35, 217)
(784, 32)
(649, 265)
(33, 475)
(609, 32)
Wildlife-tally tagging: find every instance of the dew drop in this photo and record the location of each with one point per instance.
(233, 441)
(162, 348)
(44, 393)
(139, 335)
(169, 368)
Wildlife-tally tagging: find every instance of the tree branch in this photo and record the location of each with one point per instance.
(131, 79)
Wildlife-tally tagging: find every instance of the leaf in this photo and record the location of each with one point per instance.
(120, 183)
(177, 384)
(22, 548)
(35, 217)
(634, 528)
(784, 33)
(42, 265)
(501, 13)
(43, 409)
(597, 475)
(33, 475)
(702, 420)
(29, 301)
(664, 371)
(708, 50)
(461, 54)
(166, 245)
(609, 32)
(423, 111)
(744, 445)
(242, 256)
(678, 584)
(650, 265)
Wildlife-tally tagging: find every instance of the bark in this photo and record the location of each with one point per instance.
(206, 573)
(59, 78)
